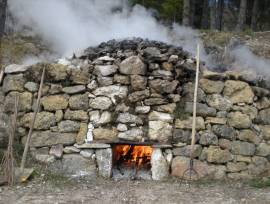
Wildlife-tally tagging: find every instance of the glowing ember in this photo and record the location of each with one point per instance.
(132, 155)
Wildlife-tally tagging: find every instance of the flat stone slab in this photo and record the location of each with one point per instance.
(92, 146)
(15, 68)
(162, 146)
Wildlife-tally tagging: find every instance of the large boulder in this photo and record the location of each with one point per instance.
(211, 87)
(160, 131)
(105, 134)
(104, 162)
(238, 91)
(54, 102)
(14, 83)
(217, 155)
(187, 123)
(239, 120)
(219, 102)
(47, 138)
(44, 120)
(79, 102)
(159, 165)
(100, 103)
(163, 86)
(132, 65)
(243, 148)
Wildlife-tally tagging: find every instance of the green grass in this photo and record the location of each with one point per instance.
(260, 183)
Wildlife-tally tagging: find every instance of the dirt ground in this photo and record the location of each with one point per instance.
(108, 191)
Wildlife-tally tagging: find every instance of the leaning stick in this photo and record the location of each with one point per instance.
(26, 147)
(195, 103)
(1, 75)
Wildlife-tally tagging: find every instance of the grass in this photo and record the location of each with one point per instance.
(260, 183)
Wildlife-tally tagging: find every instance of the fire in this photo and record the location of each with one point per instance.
(133, 155)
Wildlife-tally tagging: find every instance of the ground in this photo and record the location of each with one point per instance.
(109, 191)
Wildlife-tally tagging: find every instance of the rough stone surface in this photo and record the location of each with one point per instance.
(236, 167)
(202, 109)
(187, 124)
(44, 120)
(160, 131)
(81, 136)
(55, 102)
(47, 138)
(163, 86)
(112, 91)
(129, 118)
(263, 116)
(208, 138)
(186, 151)
(243, 148)
(100, 103)
(13, 83)
(265, 132)
(224, 131)
(104, 162)
(68, 126)
(219, 102)
(239, 120)
(238, 91)
(132, 66)
(211, 87)
(78, 115)
(105, 134)
(156, 116)
(138, 82)
(5, 125)
(105, 70)
(74, 89)
(263, 149)
(79, 102)
(249, 136)
(135, 134)
(159, 165)
(217, 155)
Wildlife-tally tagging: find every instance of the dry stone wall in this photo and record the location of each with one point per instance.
(140, 91)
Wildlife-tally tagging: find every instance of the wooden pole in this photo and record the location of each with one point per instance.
(195, 102)
(26, 147)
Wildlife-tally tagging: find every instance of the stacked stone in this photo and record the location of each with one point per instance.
(140, 91)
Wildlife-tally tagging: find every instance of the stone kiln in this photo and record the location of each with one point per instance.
(140, 92)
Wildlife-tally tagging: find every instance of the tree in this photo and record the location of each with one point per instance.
(172, 10)
(213, 7)
(254, 15)
(242, 16)
(186, 13)
(3, 7)
(205, 16)
(220, 8)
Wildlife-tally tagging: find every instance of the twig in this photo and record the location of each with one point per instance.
(26, 147)
(2, 71)
(8, 162)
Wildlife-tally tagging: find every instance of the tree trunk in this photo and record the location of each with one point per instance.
(220, 14)
(192, 12)
(205, 15)
(212, 5)
(186, 13)
(242, 16)
(254, 16)
(3, 7)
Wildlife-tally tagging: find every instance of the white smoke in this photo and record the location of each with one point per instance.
(71, 25)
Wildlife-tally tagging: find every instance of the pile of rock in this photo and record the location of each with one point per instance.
(141, 91)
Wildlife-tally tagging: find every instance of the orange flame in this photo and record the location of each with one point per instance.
(137, 155)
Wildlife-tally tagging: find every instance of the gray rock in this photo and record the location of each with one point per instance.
(25, 101)
(100, 103)
(239, 120)
(112, 91)
(47, 138)
(168, 108)
(122, 127)
(79, 102)
(186, 151)
(105, 81)
(71, 149)
(259, 166)
(87, 153)
(236, 167)
(224, 131)
(105, 134)
(121, 79)
(152, 53)
(92, 146)
(188, 93)
(265, 132)
(142, 109)
(160, 131)
(132, 66)
(78, 115)
(55, 102)
(14, 83)
(105, 70)
(163, 86)
(31, 86)
(155, 101)
(74, 89)
(138, 82)
(263, 149)
(159, 165)
(263, 117)
(243, 148)
(135, 134)
(139, 95)
(129, 118)
(249, 136)
(156, 116)
(217, 155)
(187, 123)
(76, 166)
(15, 68)
(44, 120)
(57, 151)
(104, 162)
(211, 87)
(68, 126)
(208, 138)
(202, 109)
(219, 102)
